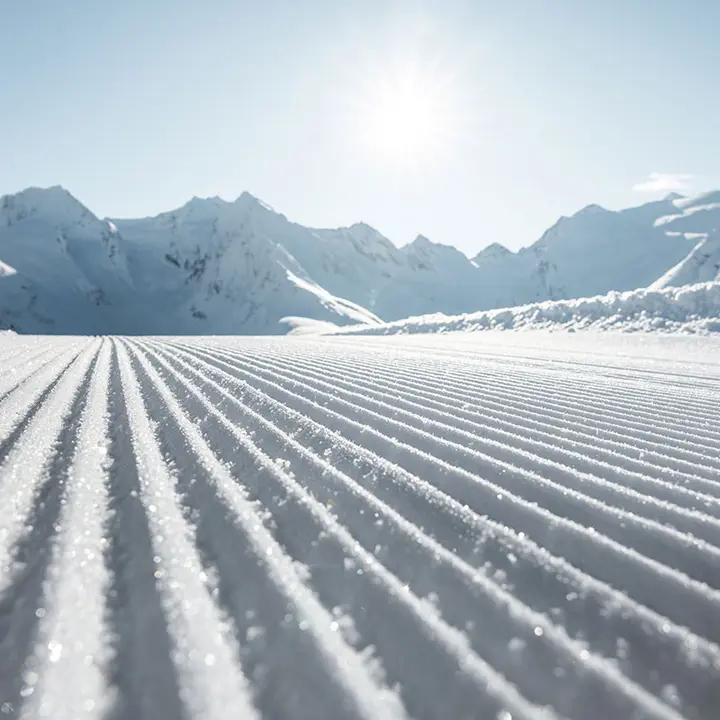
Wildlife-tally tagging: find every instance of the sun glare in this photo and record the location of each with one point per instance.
(405, 120)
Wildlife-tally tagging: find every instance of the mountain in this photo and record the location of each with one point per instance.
(61, 267)
(697, 214)
(698, 220)
(205, 268)
(218, 267)
(590, 253)
(701, 265)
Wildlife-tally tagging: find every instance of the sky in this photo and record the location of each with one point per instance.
(468, 121)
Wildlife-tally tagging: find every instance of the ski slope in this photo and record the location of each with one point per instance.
(517, 526)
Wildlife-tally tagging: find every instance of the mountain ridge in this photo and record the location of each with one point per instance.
(214, 266)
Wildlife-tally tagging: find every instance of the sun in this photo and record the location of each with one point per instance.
(404, 119)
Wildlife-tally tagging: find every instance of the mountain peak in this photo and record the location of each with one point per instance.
(50, 190)
(210, 199)
(367, 233)
(362, 227)
(245, 196)
(592, 209)
(671, 197)
(493, 251)
(247, 199)
(199, 208)
(53, 193)
(53, 201)
(421, 242)
(197, 202)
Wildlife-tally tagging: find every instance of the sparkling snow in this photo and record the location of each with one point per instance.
(494, 525)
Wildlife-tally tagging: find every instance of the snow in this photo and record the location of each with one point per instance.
(69, 267)
(229, 267)
(307, 326)
(687, 309)
(701, 265)
(219, 267)
(209, 679)
(339, 306)
(698, 221)
(71, 687)
(700, 213)
(688, 212)
(497, 525)
(6, 270)
(208, 267)
(703, 199)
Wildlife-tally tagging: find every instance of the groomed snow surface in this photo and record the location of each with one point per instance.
(489, 526)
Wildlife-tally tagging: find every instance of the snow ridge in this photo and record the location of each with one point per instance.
(660, 308)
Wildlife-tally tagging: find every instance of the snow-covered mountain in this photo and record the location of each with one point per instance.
(215, 267)
(701, 265)
(208, 267)
(218, 267)
(697, 214)
(697, 219)
(590, 253)
(61, 268)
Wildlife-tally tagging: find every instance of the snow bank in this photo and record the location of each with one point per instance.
(308, 326)
(688, 309)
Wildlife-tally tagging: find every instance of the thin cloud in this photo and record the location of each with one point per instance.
(664, 182)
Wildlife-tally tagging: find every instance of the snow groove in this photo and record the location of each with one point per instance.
(210, 679)
(339, 527)
(438, 396)
(528, 388)
(498, 454)
(700, 604)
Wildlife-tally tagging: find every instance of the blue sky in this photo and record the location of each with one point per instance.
(530, 109)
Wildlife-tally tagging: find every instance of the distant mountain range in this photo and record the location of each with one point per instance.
(217, 267)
